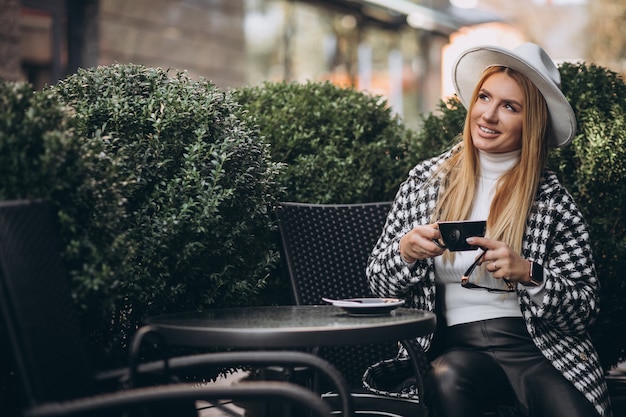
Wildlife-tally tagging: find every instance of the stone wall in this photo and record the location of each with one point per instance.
(10, 56)
(203, 37)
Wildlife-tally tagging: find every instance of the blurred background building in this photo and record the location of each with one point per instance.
(400, 49)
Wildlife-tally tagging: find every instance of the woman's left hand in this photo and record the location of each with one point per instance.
(502, 261)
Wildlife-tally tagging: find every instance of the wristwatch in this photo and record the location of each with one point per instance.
(536, 275)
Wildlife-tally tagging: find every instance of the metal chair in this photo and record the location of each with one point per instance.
(42, 336)
(325, 248)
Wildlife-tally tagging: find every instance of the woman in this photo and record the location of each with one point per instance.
(519, 330)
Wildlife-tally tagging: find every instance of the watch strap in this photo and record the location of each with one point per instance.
(536, 275)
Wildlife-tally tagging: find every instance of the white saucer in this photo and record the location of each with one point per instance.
(367, 306)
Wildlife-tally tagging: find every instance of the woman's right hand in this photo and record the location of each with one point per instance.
(418, 243)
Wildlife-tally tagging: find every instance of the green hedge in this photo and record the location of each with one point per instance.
(38, 146)
(594, 170)
(163, 193)
(175, 199)
(339, 145)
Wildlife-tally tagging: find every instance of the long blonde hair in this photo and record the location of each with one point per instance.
(515, 190)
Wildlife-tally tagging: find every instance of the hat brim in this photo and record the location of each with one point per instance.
(469, 67)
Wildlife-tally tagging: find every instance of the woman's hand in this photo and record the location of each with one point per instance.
(418, 243)
(502, 261)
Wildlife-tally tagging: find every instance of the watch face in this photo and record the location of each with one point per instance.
(537, 273)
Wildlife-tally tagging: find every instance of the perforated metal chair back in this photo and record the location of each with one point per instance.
(39, 323)
(325, 248)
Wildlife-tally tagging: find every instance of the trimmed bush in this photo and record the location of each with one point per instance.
(172, 208)
(440, 130)
(340, 145)
(594, 170)
(38, 148)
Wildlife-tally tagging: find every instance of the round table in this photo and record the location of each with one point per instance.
(289, 326)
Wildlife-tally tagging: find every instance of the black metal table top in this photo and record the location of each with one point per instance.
(289, 326)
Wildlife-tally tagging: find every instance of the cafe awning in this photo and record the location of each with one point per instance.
(398, 13)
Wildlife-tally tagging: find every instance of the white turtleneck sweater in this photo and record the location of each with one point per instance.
(463, 305)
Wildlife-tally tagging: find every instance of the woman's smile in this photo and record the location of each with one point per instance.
(487, 130)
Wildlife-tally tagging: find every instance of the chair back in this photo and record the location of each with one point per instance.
(41, 329)
(325, 248)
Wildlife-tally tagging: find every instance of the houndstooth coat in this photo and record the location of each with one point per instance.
(556, 237)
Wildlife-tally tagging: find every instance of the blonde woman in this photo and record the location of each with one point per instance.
(514, 330)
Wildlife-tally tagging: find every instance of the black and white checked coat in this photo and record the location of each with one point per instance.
(556, 237)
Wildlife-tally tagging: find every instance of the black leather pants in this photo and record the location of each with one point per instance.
(494, 363)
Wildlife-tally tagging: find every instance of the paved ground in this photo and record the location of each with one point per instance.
(213, 412)
(619, 402)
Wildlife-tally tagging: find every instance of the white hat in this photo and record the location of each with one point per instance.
(533, 62)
